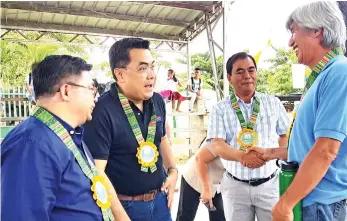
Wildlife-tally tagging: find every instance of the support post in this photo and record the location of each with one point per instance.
(189, 65)
(213, 58)
(225, 58)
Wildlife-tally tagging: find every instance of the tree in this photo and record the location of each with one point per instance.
(203, 61)
(105, 67)
(278, 78)
(17, 57)
(160, 62)
(16, 60)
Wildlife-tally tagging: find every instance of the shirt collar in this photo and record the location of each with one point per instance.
(327, 59)
(256, 94)
(75, 133)
(114, 92)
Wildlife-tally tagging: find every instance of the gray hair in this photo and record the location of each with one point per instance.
(324, 15)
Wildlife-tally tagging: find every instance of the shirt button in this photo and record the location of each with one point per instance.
(72, 132)
(139, 114)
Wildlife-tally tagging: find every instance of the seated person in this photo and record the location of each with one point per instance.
(194, 88)
(172, 94)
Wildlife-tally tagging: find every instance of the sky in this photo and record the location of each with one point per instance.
(250, 24)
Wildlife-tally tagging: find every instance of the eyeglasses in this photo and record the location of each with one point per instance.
(93, 89)
(144, 71)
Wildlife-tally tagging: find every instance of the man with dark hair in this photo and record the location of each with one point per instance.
(47, 171)
(127, 135)
(243, 120)
(194, 88)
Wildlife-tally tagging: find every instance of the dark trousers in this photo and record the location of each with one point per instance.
(189, 203)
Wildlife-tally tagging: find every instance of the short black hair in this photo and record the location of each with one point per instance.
(34, 65)
(197, 69)
(119, 52)
(238, 56)
(53, 70)
(170, 70)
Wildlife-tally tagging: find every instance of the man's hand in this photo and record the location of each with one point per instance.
(282, 212)
(263, 153)
(206, 196)
(169, 185)
(252, 159)
(198, 93)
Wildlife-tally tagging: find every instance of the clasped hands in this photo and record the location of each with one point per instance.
(255, 157)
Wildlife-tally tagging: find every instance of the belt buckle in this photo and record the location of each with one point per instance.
(146, 197)
(251, 181)
(149, 196)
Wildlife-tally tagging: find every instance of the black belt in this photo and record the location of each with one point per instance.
(253, 182)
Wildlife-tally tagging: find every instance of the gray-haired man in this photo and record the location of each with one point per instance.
(318, 138)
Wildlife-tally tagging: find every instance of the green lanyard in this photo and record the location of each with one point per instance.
(89, 170)
(313, 76)
(253, 118)
(147, 153)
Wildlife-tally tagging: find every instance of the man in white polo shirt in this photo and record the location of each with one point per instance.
(244, 119)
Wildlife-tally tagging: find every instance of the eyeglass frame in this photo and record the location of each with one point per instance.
(94, 89)
(148, 69)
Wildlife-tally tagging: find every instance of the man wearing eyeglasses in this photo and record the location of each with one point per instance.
(47, 171)
(127, 135)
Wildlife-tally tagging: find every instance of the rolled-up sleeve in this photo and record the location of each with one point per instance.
(216, 127)
(30, 177)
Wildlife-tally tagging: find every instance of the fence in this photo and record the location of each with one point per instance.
(15, 106)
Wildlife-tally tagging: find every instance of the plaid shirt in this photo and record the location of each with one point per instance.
(272, 121)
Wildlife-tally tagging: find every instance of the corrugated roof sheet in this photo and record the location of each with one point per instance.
(161, 20)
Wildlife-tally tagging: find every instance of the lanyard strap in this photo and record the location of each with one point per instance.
(48, 119)
(135, 125)
(312, 77)
(89, 170)
(255, 111)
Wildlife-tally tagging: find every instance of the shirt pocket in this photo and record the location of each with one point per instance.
(266, 126)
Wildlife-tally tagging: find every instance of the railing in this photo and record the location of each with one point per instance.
(14, 106)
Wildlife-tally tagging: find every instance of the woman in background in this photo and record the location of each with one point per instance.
(172, 83)
(171, 93)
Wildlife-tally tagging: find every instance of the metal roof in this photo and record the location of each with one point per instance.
(170, 20)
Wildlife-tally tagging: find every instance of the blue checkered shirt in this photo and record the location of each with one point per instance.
(272, 121)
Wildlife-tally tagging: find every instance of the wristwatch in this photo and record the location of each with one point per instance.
(172, 168)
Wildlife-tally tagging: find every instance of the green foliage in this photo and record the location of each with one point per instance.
(262, 83)
(278, 78)
(17, 57)
(16, 60)
(12, 66)
(159, 62)
(203, 61)
(105, 67)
